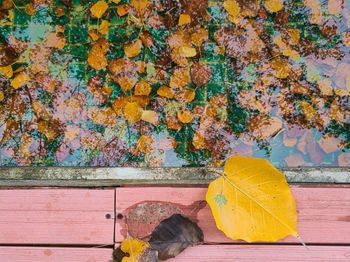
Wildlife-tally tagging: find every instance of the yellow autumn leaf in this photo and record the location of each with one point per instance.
(133, 49)
(184, 19)
(104, 27)
(252, 201)
(150, 117)
(2, 95)
(142, 88)
(184, 116)
(137, 250)
(6, 71)
(274, 5)
(309, 112)
(132, 112)
(232, 7)
(146, 144)
(20, 80)
(187, 51)
(99, 9)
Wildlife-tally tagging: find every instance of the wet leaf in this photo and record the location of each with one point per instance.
(29, 9)
(133, 49)
(94, 34)
(126, 82)
(184, 116)
(146, 38)
(7, 55)
(114, 149)
(165, 91)
(173, 122)
(200, 74)
(140, 6)
(263, 127)
(150, 117)
(187, 51)
(179, 78)
(185, 95)
(252, 194)
(142, 88)
(6, 71)
(179, 38)
(132, 112)
(104, 27)
(99, 9)
(123, 9)
(274, 5)
(20, 80)
(281, 67)
(200, 36)
(184, 19)
(121, 65)
(91, 139)
(175, 234)
(146, 144)
(134, 250)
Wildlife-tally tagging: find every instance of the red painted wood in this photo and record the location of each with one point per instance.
(56, 216)
(54, 254)
(323, 212)
(263, 253)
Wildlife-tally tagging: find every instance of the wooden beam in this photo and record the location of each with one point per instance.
(57, 216)
(323, 212)
(112, 176)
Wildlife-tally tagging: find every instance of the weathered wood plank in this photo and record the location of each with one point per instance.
(54, 254)
(112, 176)
(263, 253)
(323, 212)
(56, 216)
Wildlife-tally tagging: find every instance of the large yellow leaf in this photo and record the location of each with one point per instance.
(252, 201)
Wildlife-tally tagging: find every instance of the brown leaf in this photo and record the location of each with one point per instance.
(179, 78)
(281, 67)
(146, 38)
(179, 38)
(132, 112)
(263, 126)
(126, 82)
(175, 234)
(185, 95)
(114, 149)
(91, 139)
(173, 123)
(7, 55)
(121, 65)
(200, 74)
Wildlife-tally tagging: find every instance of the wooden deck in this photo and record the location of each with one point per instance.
(71, 224)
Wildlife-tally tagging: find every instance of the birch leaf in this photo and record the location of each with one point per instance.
(252, 201)
(135, 250)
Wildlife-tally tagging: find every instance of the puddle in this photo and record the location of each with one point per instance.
(205, 81)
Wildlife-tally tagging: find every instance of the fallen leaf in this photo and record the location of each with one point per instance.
(252, 201)
(308, 110)
(6, 71)
(20, 80)
(200, 74)
(142, 88)
(17, 44)
(187, 51)
(274, 5)
(263, 127)
(326, 87)
(175, 234)
(7, 55)
(184, 116)
(123, 9)
(60, 11)
(104, 27)
(165, 91)
(134, 250)
(94, 34)
(29, 9)
(71, 132)
(185, 95)
(335, 6)
(91, 139)
(150, 117)
(184, 19)
(146, 144)
(99, 9)
(121, 65)
(114, 149)
(179, 38)
(147, 38)
(179, 78)
(2, 96)
(167, 143)
(200, 36)
(140, 6)
(173, 123)
(316, 11)
(281, 67)
(198, 140)
(132, 112)
(330, 143)
(346, 38)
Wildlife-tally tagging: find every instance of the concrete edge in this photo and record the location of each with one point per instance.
(113, 176)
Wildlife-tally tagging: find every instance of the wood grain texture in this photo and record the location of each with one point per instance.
(54, 254)
(323, 212)
(56, 216)
(263, 253)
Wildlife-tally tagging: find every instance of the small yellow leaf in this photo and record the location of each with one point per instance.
(123, 9)
(94, 34)
(274, 5)
(232, 7)
(252, 201)
(29, 9)
(104, 27)
(2, 95)
(309, 112)
(132, 112)
(184, 19)
(165, 91)
(150, 117)
(137, 250)
(146, 144)
(142, 88)
(188, 51)
(99, 9)
(115, 1)
(6, 71)
(184, 116)
(20, 80)
(133, 49)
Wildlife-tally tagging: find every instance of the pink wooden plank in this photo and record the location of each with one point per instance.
(323, 212)
(56, 216)
(54, 254)
(221, 253)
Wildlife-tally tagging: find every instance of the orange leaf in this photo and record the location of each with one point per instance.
(184, 19)
(150, 117)
(165, 91)
(185, 95)
(121, 65)
(173, 123)
(132, 112)
(142, 88)
(98, 9)
(123, 9)
(184, 116)
(179, 78)
(199, 36)
(146, 144)
(126, 83)
(55, 40)
(133, 49)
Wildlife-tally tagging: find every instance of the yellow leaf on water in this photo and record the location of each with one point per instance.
(104, 27)
(99, 9)
(187, 51)
(252, 201)
(20, 80)
(184, 19)
(150, 117)
(274, 5)
(133, 49)
(146, 144)
(6, 71)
